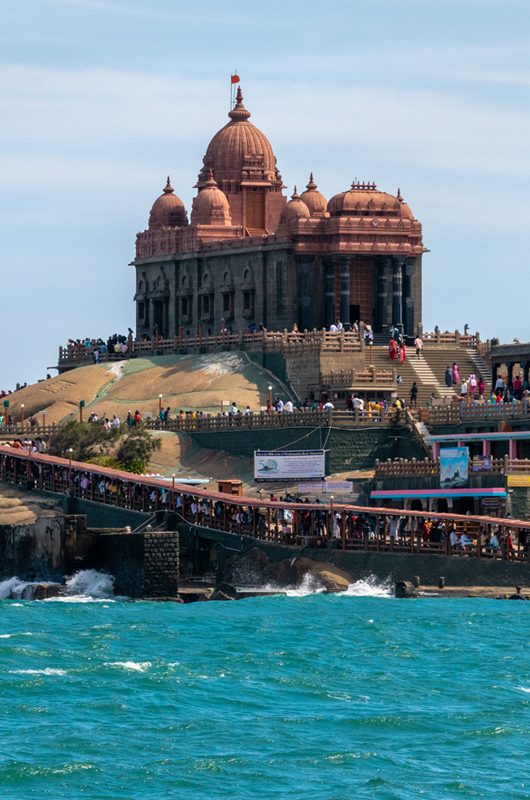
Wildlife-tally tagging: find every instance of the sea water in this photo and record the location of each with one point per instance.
(304, 696)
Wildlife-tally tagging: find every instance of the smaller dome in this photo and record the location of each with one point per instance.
(210, 206)
(365, 200)
(314, 200)
(294, 209)
(168, 210)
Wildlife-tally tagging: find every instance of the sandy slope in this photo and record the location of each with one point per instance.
(187, 382)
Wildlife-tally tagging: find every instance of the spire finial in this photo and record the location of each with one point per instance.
(399, 197)
(239, 113)
(311, 186)
(168, 189)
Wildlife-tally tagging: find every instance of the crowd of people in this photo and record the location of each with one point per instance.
(116, 344)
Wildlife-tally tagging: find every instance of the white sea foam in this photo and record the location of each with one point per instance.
(370, 587)
(12, 588)
(10, 635)
(525, 689)
(89, 584)
(310, 585)
(133, 666)
(47, 671)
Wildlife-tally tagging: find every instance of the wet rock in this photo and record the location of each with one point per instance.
(224, 591)
(405, 589)
(247, 569)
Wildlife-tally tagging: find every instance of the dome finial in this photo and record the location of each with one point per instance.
(239, 113)
(311, 186)
(399, 197)
(168, 189)
(295, 195)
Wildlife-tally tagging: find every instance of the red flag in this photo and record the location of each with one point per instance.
(234, 78)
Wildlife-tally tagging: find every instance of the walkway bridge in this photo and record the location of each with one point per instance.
(311, 524)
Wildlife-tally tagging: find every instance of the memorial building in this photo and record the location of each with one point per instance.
(248, 257)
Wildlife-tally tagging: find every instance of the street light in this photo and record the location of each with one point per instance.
(22, 413)
(270, 398)
(159, 404)
(70, 451)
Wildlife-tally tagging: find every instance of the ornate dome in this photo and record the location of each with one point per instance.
(294, 209)
(240, 151)
(314, 200)
(168, 210)
(211, 206)
(365, 200)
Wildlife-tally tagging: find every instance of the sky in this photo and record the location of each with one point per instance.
(102, 99)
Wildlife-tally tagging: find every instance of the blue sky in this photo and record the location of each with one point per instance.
(102, 99)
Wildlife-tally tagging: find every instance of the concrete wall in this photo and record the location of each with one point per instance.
(347, 449)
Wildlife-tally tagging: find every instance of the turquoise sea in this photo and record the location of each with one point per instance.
(320, 696)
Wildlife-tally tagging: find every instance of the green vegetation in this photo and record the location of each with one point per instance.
(121, 448)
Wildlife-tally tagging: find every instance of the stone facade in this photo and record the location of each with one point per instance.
(250, 258)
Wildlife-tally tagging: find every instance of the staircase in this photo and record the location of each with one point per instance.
(429, 370)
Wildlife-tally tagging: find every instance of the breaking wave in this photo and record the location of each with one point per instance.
(90, 583)
(370, 587)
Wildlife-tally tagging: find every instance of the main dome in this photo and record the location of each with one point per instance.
(239, 151)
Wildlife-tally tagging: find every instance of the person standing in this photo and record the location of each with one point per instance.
(456, 373)
(418, 344)
(449, 377)
(414, 395)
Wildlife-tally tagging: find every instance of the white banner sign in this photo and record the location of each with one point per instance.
(289, 465)
(326, 487)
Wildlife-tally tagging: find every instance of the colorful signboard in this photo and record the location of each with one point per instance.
(289, 465)
(518, 480)
(454, 465)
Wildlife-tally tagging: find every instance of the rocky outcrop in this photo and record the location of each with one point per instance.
(254, 568)
(405, 589)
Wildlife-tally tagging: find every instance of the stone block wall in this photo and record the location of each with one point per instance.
(161, 563)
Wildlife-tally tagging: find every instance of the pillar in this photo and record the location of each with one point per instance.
(486, 447)
(397, 293)
(382, 304)
(435, 450)
(329, 271)
(512, 449)
(494, 367)
(408, 296)
(344, 262)
(525, 366)
(510, 375)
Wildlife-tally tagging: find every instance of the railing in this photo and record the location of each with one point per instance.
(318, 525)
(455, 413)
(352, 377)
(287, 342)
(199, 421)
(451, 337)
(429, 467)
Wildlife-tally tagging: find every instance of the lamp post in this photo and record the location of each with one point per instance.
(173, 481)
(270, 398)
(70, 451)
(159, 404)
(81, 407)
(22, 413)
